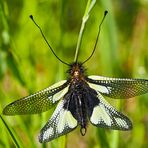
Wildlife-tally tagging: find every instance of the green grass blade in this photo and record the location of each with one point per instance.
(89, 6)
(12, 134)
(103, 138)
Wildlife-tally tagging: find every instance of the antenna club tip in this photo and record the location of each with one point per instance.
(31, 16)
(105, 12)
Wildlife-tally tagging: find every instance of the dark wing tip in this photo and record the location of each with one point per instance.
(130, 125)
(6, 111)
(10, 110)
(40, 139)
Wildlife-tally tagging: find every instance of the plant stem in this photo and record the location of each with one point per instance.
(89, 6)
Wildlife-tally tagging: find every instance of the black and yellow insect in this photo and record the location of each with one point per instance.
(79, 99)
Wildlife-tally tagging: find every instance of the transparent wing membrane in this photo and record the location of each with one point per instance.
(118, 88)
(38, 102)
(105, 116)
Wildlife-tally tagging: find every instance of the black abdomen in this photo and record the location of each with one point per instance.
(76, 103)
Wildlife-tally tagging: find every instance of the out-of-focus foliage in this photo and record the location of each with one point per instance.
(27, 65)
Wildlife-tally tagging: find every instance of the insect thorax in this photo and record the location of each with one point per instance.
(76, 72)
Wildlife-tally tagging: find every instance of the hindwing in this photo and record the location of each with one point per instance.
(105, 116)
(60, 123)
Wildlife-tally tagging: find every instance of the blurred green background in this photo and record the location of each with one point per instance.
(27, 65)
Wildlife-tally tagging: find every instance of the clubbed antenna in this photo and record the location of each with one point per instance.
(105, 13)
(47, 41)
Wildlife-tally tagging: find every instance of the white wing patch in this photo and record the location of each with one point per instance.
(66, 119)
(99, 88)
(94, 77)
(60, 123)
(56, 85)
(60, 94)
(100, 115)
(48, 133)
(121, 122)
(104, 115)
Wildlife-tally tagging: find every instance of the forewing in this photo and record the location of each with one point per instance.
(61, 123)
(105, 116)
(118, 88)
(38, 102)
